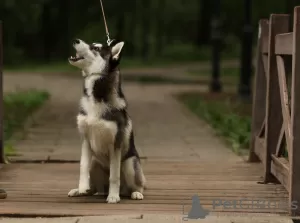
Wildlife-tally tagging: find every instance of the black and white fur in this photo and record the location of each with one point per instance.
(108, 154)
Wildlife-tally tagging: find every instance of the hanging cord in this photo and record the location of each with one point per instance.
(106, 29)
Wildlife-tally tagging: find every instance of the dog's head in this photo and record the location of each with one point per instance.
(96, 57)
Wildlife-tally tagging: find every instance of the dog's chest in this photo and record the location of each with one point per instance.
(93, 109)
(99, 131)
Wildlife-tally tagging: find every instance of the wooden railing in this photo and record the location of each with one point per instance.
(1, 96)
(276, 103)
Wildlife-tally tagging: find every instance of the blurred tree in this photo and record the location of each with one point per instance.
(120, 26)
(46, 32)
(204, 21)
(43, 29)
(62, 27)
(145, 8)
(131, 35)
(160, 26)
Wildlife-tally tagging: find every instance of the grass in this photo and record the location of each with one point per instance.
(18, 106)
(230, 118)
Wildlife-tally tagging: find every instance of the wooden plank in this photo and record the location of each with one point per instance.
(166, 163)
(279, 143)
(212, 177)
(238, 165)
(278, 25)
(265, 63)
(259, 94)
(18, 193)
(284, 98)
(260, 148)
(263, 34)
(176, 184)
(294, 156)
(260, 191)
(150, 169)
(261, 132)
(2, 158)
(93, 209)
(280, 169)
(149, 199)
(284, 44)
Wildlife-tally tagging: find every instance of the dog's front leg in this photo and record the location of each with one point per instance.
(84, 178)
(85, 164)
(114, 175)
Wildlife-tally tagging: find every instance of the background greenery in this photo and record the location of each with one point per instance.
(18, 106)
(41, 30)
(229, 118)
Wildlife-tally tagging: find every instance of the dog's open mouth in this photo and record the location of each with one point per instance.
(76, 58)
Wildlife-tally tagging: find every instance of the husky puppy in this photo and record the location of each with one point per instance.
(108, 155)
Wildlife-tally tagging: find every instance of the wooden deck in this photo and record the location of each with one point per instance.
(182, 158)
(41, 190)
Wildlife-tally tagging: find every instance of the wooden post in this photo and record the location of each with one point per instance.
(278, 24)
(259, 93)
(3, 193)
(1, 95)
(294, 156)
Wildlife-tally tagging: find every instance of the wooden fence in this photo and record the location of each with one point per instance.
(276, 103)
(1, 96)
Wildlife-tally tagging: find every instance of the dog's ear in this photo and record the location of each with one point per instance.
(116, 50)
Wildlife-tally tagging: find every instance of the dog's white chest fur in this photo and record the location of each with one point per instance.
(98, 131)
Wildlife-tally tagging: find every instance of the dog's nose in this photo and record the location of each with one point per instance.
(76, 41)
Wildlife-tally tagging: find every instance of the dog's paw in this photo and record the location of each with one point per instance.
(73, 193)
(78, 193)
(137, 196)
(113, 198)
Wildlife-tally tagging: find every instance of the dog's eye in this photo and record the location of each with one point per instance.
(96, 48)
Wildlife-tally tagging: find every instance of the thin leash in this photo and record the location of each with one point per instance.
(105, 24)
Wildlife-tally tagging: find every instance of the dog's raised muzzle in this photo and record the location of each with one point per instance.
(77, 44)
(76, 41)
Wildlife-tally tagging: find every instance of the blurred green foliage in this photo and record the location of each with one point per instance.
(42, 30)
(18, 106)
(228, 118)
